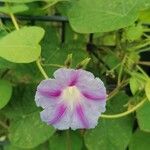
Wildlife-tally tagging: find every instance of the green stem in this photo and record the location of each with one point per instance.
(38, 61)
(53, 65)
(144, 50)
(147, 36)
(124, 113)
(68, 140)
(139, 68)
(115, 67)
(140, 46)
(142, 71)
(146, 30)
(146, 63)
(14, 21)
(41, 69)
(115, 91)
(121, 71)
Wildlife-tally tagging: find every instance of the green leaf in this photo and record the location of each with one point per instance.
(26, 128)
(22, 46)
(145, 4)
(111, 60)
(3, 31)
(13, 9)
(108, 39)
(22, 102)
(137, 82)
(147, 89)
(134, 32)
(133, 57)
(140, 141)
(117, 103)
(111, 134)
(144, 16)
(143, 117)
(102, 16)
(4, 64)
(134, 86)
(72, 141)
(5, 92)
(25, 73)
(30, 131)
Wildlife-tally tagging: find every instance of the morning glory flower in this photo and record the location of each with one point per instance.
(73, 99)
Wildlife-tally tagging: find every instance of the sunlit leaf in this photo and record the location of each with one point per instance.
(145, 16)
(88, 16)
(22, 46)
(134, 32)
(137, 82)
(134, 85)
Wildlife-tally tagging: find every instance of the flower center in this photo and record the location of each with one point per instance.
(71, 95)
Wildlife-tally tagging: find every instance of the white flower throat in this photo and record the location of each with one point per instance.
(71, 95)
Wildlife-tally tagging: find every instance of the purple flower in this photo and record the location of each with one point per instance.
(73, 99)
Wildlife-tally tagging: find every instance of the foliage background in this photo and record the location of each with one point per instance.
(113, 34)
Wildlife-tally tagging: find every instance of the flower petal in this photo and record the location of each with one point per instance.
(87, 114)
(67, 77)
(80, 113)
(92, 89)
(74, 99)
(47, 93)
(58, 116)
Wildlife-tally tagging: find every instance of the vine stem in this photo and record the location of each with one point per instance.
(121, 70)
(41, 69)
(142, 71)
(126, 112)
(68, 140)
(14, 21)
(115, 91)
(53, 65)
(144, 50)
(38, 61)
(140, 46)
(146, 63)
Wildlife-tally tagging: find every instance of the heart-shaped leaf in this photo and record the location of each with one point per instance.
(88, 16)
(22, 46)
